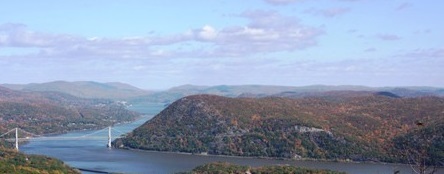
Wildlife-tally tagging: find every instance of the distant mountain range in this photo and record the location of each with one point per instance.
(122, 91)
(259, 91)
(84, 89)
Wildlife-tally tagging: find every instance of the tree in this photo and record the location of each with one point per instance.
(423, 148)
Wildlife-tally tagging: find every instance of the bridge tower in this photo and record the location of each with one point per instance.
(16, 140)
(109, 137)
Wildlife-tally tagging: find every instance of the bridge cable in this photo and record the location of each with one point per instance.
(118, 131)
(7, 132)
(96, 132)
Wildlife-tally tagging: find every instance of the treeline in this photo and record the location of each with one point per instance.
(13, 162)
(422, 147)
(227, 168)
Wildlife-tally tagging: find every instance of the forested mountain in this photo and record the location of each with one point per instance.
(53, 112)
(357, 126)
(84, 89)
(50, 112)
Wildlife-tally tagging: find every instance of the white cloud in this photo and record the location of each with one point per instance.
(17, 35)
(266, 32)
(207, 33)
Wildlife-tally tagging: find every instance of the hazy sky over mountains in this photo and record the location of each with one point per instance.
(160, 44)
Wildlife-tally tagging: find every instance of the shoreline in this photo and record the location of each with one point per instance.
(259, 157)
(268, 158)
(285, 161)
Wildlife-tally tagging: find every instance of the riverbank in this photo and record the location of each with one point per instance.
(92, 154)
(339, 161)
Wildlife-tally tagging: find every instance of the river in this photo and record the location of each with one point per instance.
(93, 154)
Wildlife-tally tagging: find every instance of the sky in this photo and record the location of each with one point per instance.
(162, 44)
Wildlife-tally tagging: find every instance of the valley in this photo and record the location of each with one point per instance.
(333, 123)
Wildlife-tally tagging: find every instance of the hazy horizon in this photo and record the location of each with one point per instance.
(182, 85)
(164, 44)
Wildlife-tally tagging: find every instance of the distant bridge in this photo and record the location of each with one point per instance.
(33, 137)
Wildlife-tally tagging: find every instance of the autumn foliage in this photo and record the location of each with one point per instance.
(356, 127)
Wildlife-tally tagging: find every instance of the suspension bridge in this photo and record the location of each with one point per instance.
(28, 136)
